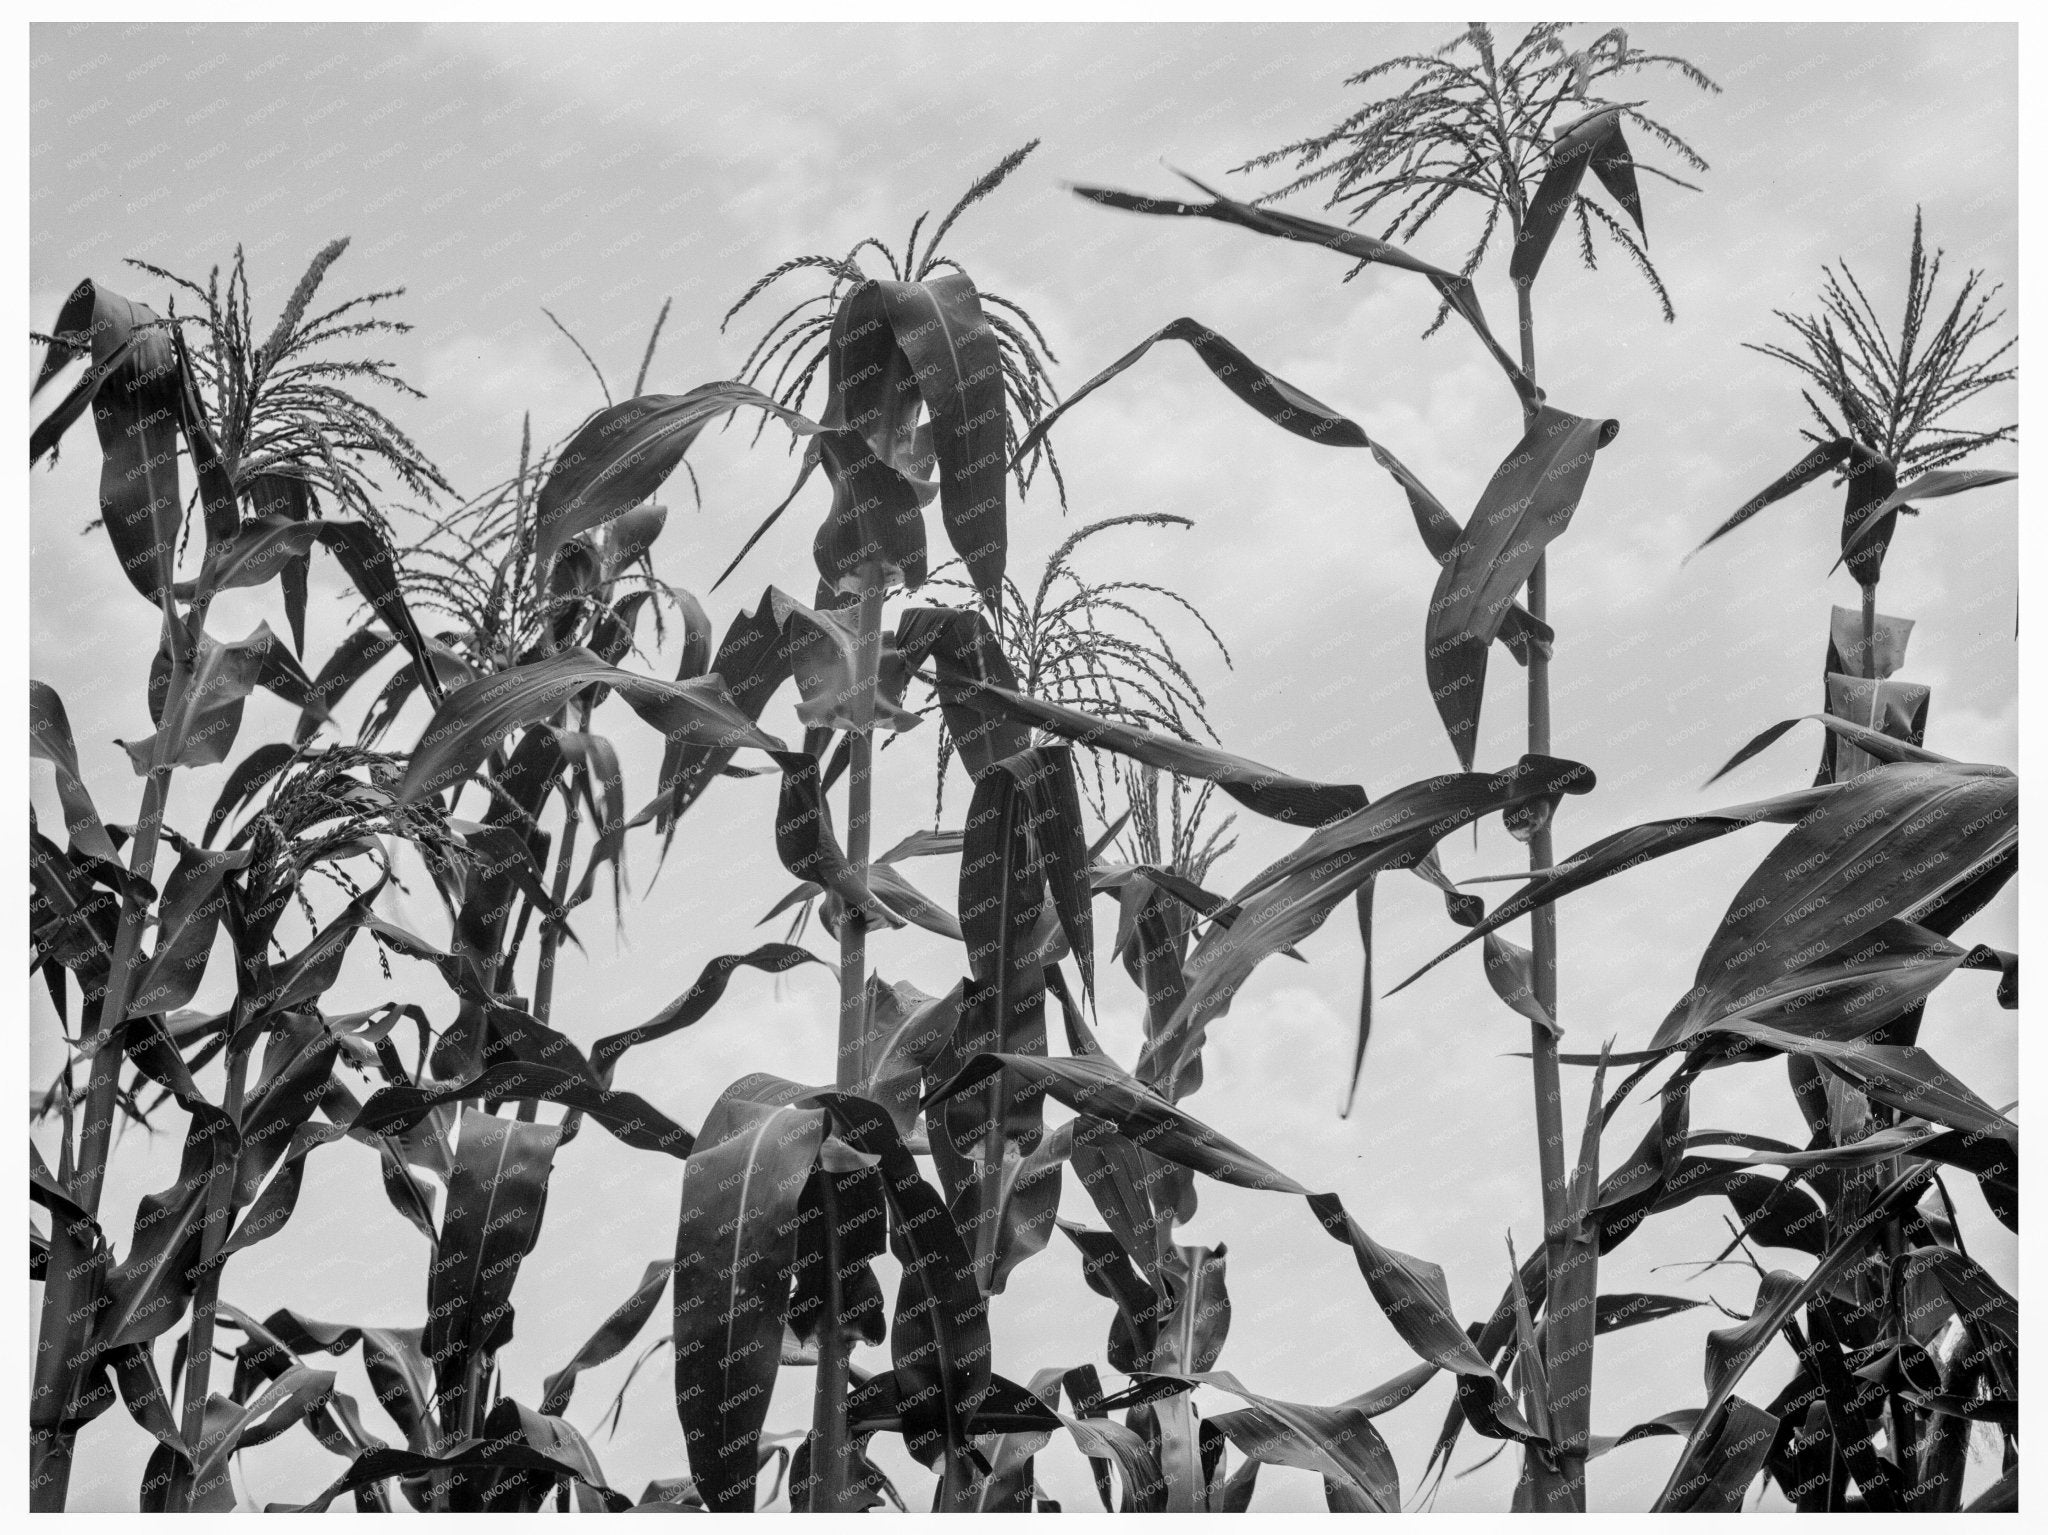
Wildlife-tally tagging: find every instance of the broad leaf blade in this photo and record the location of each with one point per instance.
(735, 1247)
(1528, 503)
(495, 1195)
(953, 353)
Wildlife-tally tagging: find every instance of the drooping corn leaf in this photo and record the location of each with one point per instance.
(1002, 891)
(621, 456)
(963, 647)
(939, 1338)
(201, 729)
(49, 738)
(1440, 533)
(1263, 789)
(281, 493)
(188, 917)
(1265, 392)
(1026, 1204)
(229, 1427)
(809, 848)
(393, 1357)
(1009, 1485)
(478, 1459)
(876, 521)
(697, 1002)
(147, 1292)
(843, 1219)
(135, 386)
(821, 656)
(371, 564)
(631, 1118)
(337, 1423)
(523, 1489)
(246, 781)
(349, 663)
(1339, 1443)
(752, 661)
(299, 1057)
(954, 356)
(1528, 503)
(1457, 291)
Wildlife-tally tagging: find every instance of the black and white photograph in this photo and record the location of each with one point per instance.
(1036, 763)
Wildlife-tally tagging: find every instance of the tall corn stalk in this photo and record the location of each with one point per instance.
(992, 357)
(1476, 121)
(1514, 129)
(1883, 398)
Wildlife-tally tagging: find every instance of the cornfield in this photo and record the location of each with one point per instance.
(709, 833)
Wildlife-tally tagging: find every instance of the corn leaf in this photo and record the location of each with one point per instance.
(1265, 392)
(1528, 503)
(631, 1119)
(1926, 487)
(473, 719)
(1594, 140)
(135, 378)
(1872, 850)
(1292, 897)
(1263, 789)
(1339, 1443)
(735, 1248)
(495, 1195)
(1625, 850)
(694, 1004)
(1828, 455)
(621, 456)
(953, 354)
(1410, 1291)
(1457, 291)
(1719, 1466)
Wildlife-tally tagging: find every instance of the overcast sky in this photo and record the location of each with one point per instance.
(599, 171)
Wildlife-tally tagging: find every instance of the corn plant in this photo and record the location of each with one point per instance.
(1884, 399)
(1903, 1262)
(1515, 129)
(247, 422)
(298, 814)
